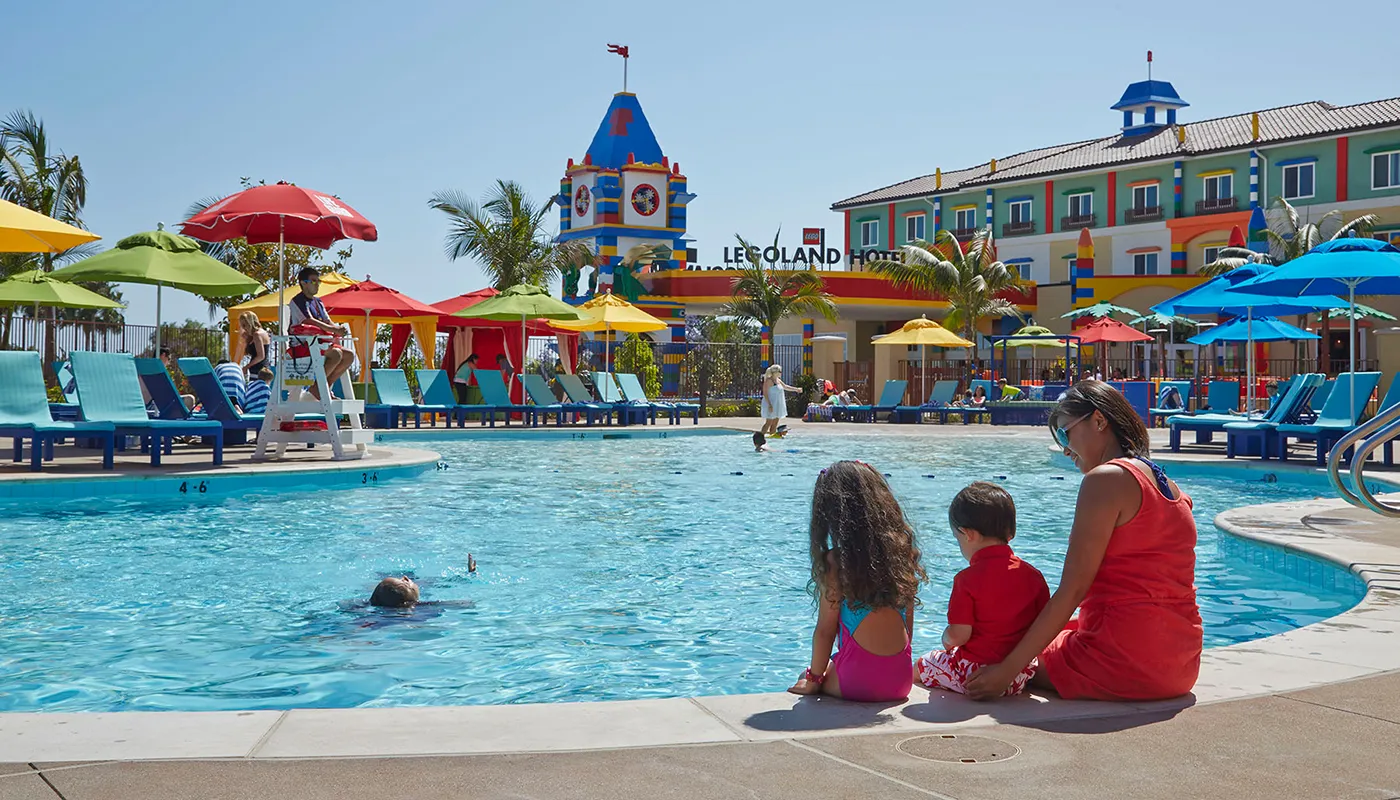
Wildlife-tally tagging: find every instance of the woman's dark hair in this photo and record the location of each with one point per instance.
(471, 359)
(985, 508)
(1086, 397)
(979, 391)
(307, 273)
(856, 518)
(393, 594)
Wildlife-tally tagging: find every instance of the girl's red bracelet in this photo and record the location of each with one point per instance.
(808, 674)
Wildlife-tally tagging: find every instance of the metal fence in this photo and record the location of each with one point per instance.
(56, 339)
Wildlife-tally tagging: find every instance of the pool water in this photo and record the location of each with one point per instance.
(607, 570)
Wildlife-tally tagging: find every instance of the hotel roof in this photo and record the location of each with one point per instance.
(1276, 126)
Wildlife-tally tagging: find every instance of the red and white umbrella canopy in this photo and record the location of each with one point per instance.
(296, 215)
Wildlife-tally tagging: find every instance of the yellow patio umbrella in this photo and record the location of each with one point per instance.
(923, 332)
(607, 312)
(265, 305)
(25, 231)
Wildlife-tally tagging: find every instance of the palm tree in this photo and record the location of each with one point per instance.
(506, 235)
(969, 278)
(1290, 238)
(768, 296)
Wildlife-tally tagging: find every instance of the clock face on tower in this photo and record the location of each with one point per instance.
(645, 200)
(582, 200)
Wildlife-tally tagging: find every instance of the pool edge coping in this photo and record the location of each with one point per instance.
(1346, 647)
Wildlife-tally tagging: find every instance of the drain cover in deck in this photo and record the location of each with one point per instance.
(954, 749)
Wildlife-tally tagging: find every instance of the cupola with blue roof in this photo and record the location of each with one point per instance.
(1147, 98)
(626, 200)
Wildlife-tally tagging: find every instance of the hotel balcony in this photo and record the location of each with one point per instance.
(964, 234)
(1143, 214)
(1219, 206)
(1080, 221)
(1018, 228)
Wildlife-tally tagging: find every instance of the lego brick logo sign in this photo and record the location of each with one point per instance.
(812, 237)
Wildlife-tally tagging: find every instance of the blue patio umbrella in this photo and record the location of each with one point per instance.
(1257, 226)
(1351, 264)
(1263, 329)
(1220, 296)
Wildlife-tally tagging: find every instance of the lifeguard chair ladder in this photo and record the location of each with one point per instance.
(346, 442)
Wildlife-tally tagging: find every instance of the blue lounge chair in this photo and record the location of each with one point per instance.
(165, 398)
(1222, 397)
(109, 390)
(633, 392)
(545, 403)
(396, 399)
(1335, 418)
(939, 398)
(218, 405)
(610, 393)
(1207, 425)
(1257, 437)
(577, 392)
(497, 396)
(24, 413)
(437, 391)
(890, 397)
(1164, 389)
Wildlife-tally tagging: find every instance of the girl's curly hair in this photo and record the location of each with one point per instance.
(856, 517)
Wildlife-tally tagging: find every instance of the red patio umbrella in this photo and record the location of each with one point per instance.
(280, 213)
(379, 302)
(1106, 330)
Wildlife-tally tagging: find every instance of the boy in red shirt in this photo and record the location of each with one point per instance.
(994, 600)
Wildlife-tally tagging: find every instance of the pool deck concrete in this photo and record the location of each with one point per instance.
(1313, 712)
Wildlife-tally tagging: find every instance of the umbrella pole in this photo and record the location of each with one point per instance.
(923, 372)
(1351, 343)
(1249, 363)
(369, 345)
(157, 320)
(281, 276)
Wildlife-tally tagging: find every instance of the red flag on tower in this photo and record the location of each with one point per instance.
(621, 49)
(1149, 56)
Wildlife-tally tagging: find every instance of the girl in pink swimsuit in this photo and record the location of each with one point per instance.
(865, 579)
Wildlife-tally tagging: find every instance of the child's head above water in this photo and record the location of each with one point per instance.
(395, 593)
(856, 517)
(758, 440)
(982, 514)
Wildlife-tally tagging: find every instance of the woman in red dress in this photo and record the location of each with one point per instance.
(1130, 570)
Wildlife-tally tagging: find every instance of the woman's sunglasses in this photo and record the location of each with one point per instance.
(1061, 432)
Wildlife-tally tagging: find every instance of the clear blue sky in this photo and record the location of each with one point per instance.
(774, 109)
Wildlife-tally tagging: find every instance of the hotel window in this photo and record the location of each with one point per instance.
(1220, 187)
(1081, 205)
(914, 228)
(870, 233)
(1298, 181)
(1385, 170)
(1145, 197)
(1145, 264)
(1020, 211)
(1210, 255)
(1021, 270)
(965, 219)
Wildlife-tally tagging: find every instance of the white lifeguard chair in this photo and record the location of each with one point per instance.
(279, 426)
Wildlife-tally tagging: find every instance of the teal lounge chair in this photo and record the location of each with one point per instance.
(939, 398)
(24, 413)
(1207, 425)
(437, 391)
(109, 390)
(497, 396)
(1335, 419)
(1222, 397)
(545, 403)
(1258, 436)
(1161, 412)
(578, 393)
(890, 397)
(632, 390)
(396, 398)
(609, 392)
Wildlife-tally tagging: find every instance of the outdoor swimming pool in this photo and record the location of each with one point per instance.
(607, 570)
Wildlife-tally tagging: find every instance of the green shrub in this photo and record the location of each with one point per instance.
(722, 410)
(750, 408)
(635, 356)
(797, 403)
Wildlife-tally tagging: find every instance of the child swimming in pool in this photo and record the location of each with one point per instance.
(865, 579)
(994, 600)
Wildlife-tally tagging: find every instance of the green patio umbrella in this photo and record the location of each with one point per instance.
(1036, 336)
(522, 302)
(1159, 320)
(164, 259)
(1099, 311)
(1361, 312)
(36, 288)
